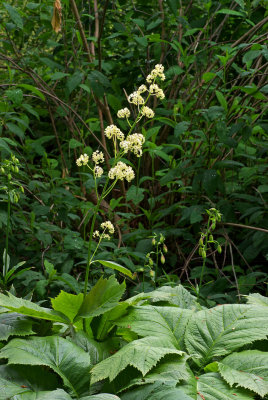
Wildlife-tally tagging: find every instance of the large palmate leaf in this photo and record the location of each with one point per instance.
(101, 396)
(104, 296)
(164, 322)
(68, 360)
(248, 369)
(156, 391)
(177, 295)
(26, 307)
(222, 329)
(68, 304)
(142, 354)
(14, 324)
(58, 394)
(258, 299)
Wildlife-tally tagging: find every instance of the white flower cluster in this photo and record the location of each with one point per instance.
(108, 225)
(155, 90)
(147, 112)
(96, 234)
(112, 131)
(98, 171)
(82, 160)
(133, 143)
(142, 89)
(104, 225)
(158, 71)
(136, 98)
(121, 171)
(97, 157)
(124, 113)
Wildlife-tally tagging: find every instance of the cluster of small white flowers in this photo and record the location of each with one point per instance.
(96, 235)
(124, 113)
(82, 160)
(142, 89)
(158, 71)
(113, 131)
(136, 98)
(155, 90)
(121, 171)
(97, 157)
(147, 112)
(98, 171)
(108, 225)
(133, 143)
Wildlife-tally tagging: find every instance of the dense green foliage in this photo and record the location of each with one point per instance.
(189, 231)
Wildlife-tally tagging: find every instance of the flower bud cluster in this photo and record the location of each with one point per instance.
(98, 157)
(157, 72)
(121, 171)
(104, 225)
(82, 160)
(147, 112)
(124, 113)
(113, 132)
(155, 90)
(136, 98)
(133, 143)
(98, 171)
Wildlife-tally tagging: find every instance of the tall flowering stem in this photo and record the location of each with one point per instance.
(122, 144)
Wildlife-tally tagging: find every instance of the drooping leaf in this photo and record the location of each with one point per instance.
(115, 266)
(104, 296)
(222, 329)
(142, 354)
(68, 360)
(248, 369)
(164, 322)
(14, 324)
(29, 308)
(68, 304)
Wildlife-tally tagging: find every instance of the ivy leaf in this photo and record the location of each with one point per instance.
(164, 322)
(248, 369)
(68, 304)
(14, 324)
(142, 354)
(26, 307)
(104, 296)
(222, 329)
(69, 361)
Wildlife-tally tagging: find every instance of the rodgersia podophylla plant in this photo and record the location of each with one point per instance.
(122, 144)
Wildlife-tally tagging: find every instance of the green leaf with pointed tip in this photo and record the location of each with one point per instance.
(248, 369)
(14, 15)
(222, 329)
(142, 354)
(156, 391)
(104, 296)
(164, 322)
(68, 304)
(115, 266)
(12, 324)
(257, 299)
(26, 307)
(69, 361)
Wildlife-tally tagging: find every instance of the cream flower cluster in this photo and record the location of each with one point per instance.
(155, 90)
(98, 157)
(112, 131)
(136, 98)
(82, 160)
(108, 225)
(124, 113)
(133, 143)
(98, 171)
(158, 71)
(147, 112)
(96, 234)
(121, 171)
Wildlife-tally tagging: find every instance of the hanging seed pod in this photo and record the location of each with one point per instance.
(219, 249)
(151, 263)
(165, 249)
(153, 242)
(162, 259)
(204, 254)
(152, 274)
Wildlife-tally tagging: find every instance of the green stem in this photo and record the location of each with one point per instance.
(7, 231)
(204, 259)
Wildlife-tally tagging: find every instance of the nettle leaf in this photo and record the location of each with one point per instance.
(26, 307)
(68, 360)
(12, 324)
(222, 329)
(211, 387)
(104, 296)
(248, 369)
(164, 322)
(68, 304)
(142, 354)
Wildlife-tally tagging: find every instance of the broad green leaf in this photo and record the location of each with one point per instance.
(248, 369)
(135, 194)
(231, 12)
(222, 329)
(68, 304)
(12, 324)
(26, 307)
(15, 129)
(58, 394)
(115, 266)
(164, 322)
(73, 144)
(32, 89)
(107, 320)
(16, 379)
(211, 387)
(156, 391)
(178, 295)
(142, 354)
(14, 15)
(68, 360)
(73, 81)
(257, 299)
(222, 100)
(101, 396)
(104, 296)
(207, 76)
